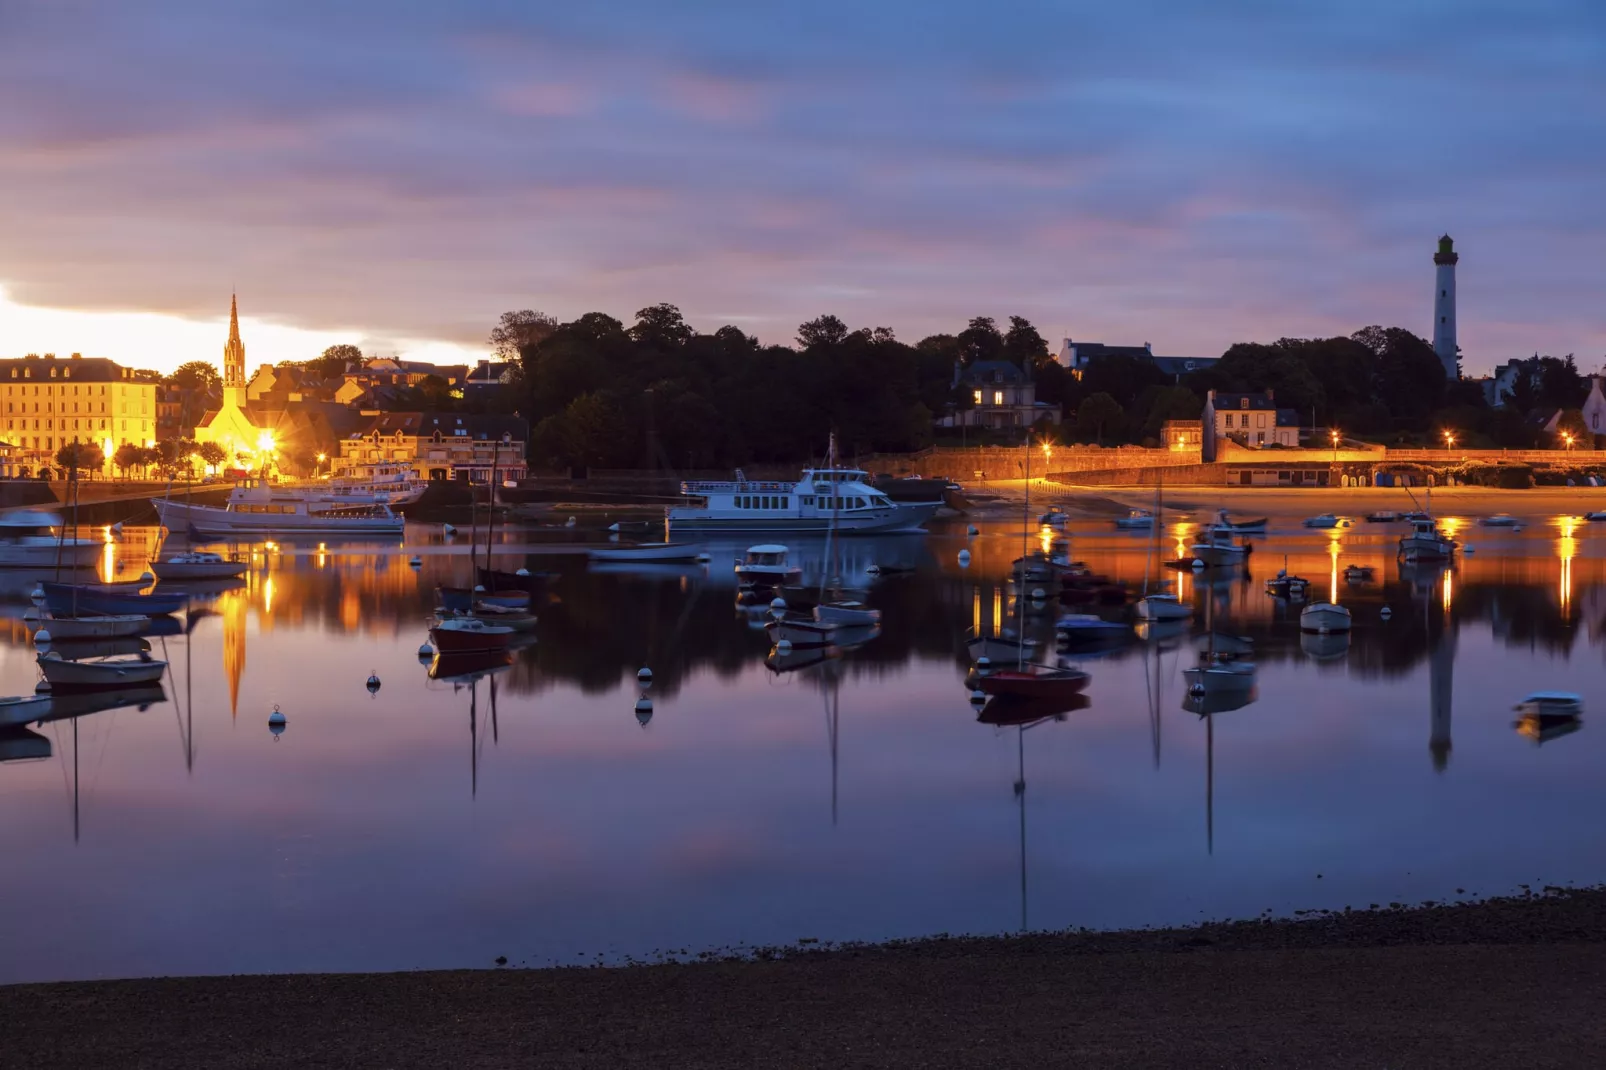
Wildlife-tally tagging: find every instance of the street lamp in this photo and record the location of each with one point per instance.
(1567, 437)
(1334, 434)
(1449, 440)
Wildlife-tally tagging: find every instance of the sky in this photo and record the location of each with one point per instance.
(398, 174)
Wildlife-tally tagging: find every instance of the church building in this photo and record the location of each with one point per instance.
(231, 425)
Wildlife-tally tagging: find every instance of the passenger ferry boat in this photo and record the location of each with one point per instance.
(258, 508)
(825, 499)
(394, 484)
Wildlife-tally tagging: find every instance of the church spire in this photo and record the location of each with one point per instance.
(234, 351)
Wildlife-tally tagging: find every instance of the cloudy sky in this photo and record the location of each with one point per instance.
(1166, 171)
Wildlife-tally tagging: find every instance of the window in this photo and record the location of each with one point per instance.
(998, 397)
(1260, 438)
(976, 394)
(1260, 420)
(785, 498)
(1228, 419)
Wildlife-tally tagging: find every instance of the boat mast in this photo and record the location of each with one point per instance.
(490, 513)
(1020, 798)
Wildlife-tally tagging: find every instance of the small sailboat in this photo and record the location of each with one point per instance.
(1358, 573)
(999, 649)
(1293, 588)
(1498, 520)
(655, 552)
(1054, 518)
(469, 635)
(1220, 670)
(1079, 626)
(1325, 520)
(1324, 618)
(105, 626)
(1034, 681)
(198, 565)
(1136, 520)
(800, 631)
(1218, 548)
(72, 600)
(1159, 606)
(99, 672)
(1224, 523)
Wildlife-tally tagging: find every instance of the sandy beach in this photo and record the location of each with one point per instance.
(1505, 983)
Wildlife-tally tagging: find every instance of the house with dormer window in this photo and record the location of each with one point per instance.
(1002, 395)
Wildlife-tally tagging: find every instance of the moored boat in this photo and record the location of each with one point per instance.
(464, 599)
(1382, 516)
(99, 672)
(69, 600)
(659, 552)
(1252, 526)
(256, 507)
(1088, 626)
(847, 612)
(999, 649)
(1282, 585)
(1325, 520)
(198, 565)
(1358, 573)
(1425, 542)
(829, 498)
(105, 626)
(765, 566)
(1498, 520)
(1054, 518)
(1136, 520)
(1034, 681)
(1218, 548)
(1162, 606)
(800, 631)
(26, 542)
(19, 710)
(469, 635)
(1324, 618)
(520, 620)
(1551, 704)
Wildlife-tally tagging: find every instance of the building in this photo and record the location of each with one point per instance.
(247, 443)
(51, 402)
(1444, 308)
(1498, 386)
(1251, 419)
(1076, 357)
(437, 445)
(1182, 435)
(488, 377)
(1595, 408)
(1001, 395)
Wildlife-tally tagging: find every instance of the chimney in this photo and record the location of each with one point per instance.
(1271, 396)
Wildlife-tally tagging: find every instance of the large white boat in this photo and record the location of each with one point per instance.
(26, 541)
(258, 508)
(394, 484)
(1426, 542)
(825, 499)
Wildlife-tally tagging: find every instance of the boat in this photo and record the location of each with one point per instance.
(1136, 520)
(1219, 549)
(828, 498)
(393, 483)
(82, 649)
(1224, 523)
(69, 600)
(198, 565)
(846, 612)
(19, 710)
(464, 600)
(1324, 618)
(1595, 516)
(649, 552)
(1034, 567)
(256, 507)
(800, 631)
(105, 626)
(496, 579)
(26, 542)
(1163, 606)
(765, 566)
(1425, 542)
(1498, 520)
(1358, 573)
(1382, 516)
(1054, 518)
(469, 635)
(999, 649)
(1293, 588)
(1544, 729)
(99, 673)
(1219, 672)
(1551, 704)
(1076, 626)
(1034, 682)
(520, 620)
(1324, 647)
(1325, 520)
(1013, 711)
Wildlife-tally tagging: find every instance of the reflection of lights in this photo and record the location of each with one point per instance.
(975, 611)
(1450, 525)
(1448, 595)
(1567, 549)
(108, 562)
(1332, 578)
(267, 595)
(998, 608)
(106, 533)
(1045, 538)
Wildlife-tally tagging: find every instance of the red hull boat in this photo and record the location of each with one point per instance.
(466, 635)
(1034, 681)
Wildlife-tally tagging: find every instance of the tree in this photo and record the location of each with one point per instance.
(822, 331)
(81, 456)
(661, 327)
(195, 375)
(1024, 346)
(1098, 413)
(211, 454)
(517, 331)
(981, 341)
(335, 361)
(128, 456)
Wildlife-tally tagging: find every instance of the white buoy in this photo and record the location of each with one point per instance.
(1467, 549)
(373, 682)
(978, 698)
(479, 588)
(984, 665)
(644, 676)
(117, 528)
(1198, 563)
(784, 646)
(1197, 690)
(972, 530)
(1038, 594)
(643, 710)
(447, 529)
(569, 523)
(276, 722)
(37, 594)
(426, 651)
(415, 561)
(874, 570)
(523, 573)
(1387, 613)
(964, 559)
(704, 558)
(31, 613)
(41, 638)
(778, 605)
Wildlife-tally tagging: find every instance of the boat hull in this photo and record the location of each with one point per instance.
(650, 554)
(187, 570)
(463, 600)
(905, 517)
(999, 649)
(211, 520)
(800, 632)
(1016, 683)
(846, 614)
(453, 641)
(94, 627)
(38, 551)
(18, 711)
(1324, 619)
(767, 576)
(100, 675)
(65, 600)
(1163, 609)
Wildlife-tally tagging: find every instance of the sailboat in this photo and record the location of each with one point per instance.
(839, 610)
(1159, 605)
(1219, 671)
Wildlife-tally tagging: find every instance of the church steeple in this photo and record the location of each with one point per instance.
(234, 351)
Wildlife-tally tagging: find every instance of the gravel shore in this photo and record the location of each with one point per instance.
(1504, 983)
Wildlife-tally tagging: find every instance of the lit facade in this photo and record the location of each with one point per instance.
(230, 425)
(50, 402)
(437, 446)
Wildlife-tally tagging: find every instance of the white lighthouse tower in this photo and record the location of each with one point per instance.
(1444, 307)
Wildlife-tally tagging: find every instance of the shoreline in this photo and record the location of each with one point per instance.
(1502, 982)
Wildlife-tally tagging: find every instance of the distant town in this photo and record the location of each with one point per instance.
(593, 394)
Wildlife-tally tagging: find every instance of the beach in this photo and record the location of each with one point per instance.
(1504, 983)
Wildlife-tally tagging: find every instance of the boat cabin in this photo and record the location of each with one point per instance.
(766, 554)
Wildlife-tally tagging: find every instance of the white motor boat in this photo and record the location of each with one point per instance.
(1325, 520)
(102, 626)
(198, 565)
(99, 672)
(1163, 607)
(1324, 618)
(1425, 542)
(26, 541)
(650, 552)
(846, 613)
(1218, 548)
(1054, 518)
(256, 507)
(1499, 520)
(1136, 520)
(765, 566)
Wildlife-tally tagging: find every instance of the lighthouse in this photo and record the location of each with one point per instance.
(1444, 306)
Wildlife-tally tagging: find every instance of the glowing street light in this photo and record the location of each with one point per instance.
(1334, 434)
(1449, 440)
(1567, 437)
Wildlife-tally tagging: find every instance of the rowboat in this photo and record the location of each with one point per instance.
(846, 612)
(18, 710)
(520, 620)
(999, 649)
(1254, 526)
(104, 626)
(469, 635)
(1324, 618)
(69, 600)
(82, 649)
(1326, 520)
(651, 551)
(198, 565)
(99, 673)
(800, 631)
(1499, 520)
(1035, 681)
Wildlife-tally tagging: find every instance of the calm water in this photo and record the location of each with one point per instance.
(526, 813)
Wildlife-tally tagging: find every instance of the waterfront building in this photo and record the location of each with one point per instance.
(1002, 396)
(1595, 408)
(51, 402)
(437, 445)
(1251, 419)
(1444, 308)
(247, 443)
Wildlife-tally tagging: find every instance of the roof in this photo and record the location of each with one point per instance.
(1287, 418)
(80, 369)
(484, 427)
(993, 371)
(1236, 401)
(1183, 365)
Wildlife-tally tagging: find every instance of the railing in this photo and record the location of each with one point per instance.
(745, 487)
(1551, 457)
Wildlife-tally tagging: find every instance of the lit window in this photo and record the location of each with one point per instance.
(977, 395)
(998, 397)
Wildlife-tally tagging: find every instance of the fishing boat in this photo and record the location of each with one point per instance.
(256, 507)
(19, 710)
(1293, 588)
(198, 565)
(1425, 542)
(1054, 518)
(658, 552)
(1136, 520)
(469, 635)
(26, 542)
(1034, 681)
(765, 566)
(69, 600)
(1498, 520)
(91, 627)
(1358, 573)
(1325, 520)
(1324, 618)
(1078, 626)
(1218, 549)
(98, 673)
